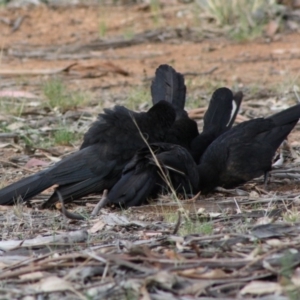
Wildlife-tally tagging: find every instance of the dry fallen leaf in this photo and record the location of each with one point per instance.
(197, 288)
(2, 265)
(70, 237)
(34, 162)
(296, 277)
(16, 126)
(4, 145)
(33, 275)
(51, 284)
(202, 272)
(17, 94)
(275, 242)
(271, 28)
(258, 287)
(163, 279)
(97, 227)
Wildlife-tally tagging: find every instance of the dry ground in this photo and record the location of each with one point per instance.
(239, 246)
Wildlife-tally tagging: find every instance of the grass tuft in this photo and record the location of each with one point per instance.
(137, 97)
(291, 215)
(102, 28)
(64, 137)
(196, 227)
(155, 11)
(59, 97)
(242, 19)
(12, 106)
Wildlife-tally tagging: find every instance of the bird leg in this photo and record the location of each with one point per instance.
(65, 212)
(103, 201)
(266, 179)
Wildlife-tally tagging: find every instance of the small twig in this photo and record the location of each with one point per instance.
(36, 71)
(6, 21)
(208, 72)
(17, 23)
(5, 135)
(286, 175)
(234, 192)
(105, 271)
(16, 166)
(178, 223)
(262, 191)
(263, 256)
(239, 211)
(103, 201)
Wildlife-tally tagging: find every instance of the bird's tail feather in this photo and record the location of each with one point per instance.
(283, 123)
(72, 191)
(168, 85)
(286, 116)
(276, 136)
(24, 189)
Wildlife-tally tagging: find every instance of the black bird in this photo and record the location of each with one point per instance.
(142, 177)
(147, 173)
(246, 151)
(218, 118)
(167, 85)
(98, 166)
(108, 145)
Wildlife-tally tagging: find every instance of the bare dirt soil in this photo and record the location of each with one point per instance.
(227, 246)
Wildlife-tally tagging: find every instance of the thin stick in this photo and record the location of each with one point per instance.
(178, 223)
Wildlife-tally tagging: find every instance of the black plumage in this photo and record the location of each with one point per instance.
(97, 167)
(169, 85)
(108, 145)
(246, 151)
(142, 178)
(218, 118)
(147, 174)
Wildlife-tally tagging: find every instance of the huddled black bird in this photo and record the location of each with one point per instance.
(167, 85)
(98, 166)
(108, 146)
(139, 155)
(219, 118)
(142, 177)
(148, 172)
(246, 151)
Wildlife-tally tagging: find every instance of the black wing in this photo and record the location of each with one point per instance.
(145, 175)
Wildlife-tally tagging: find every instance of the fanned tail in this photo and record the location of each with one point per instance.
(169, 85)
